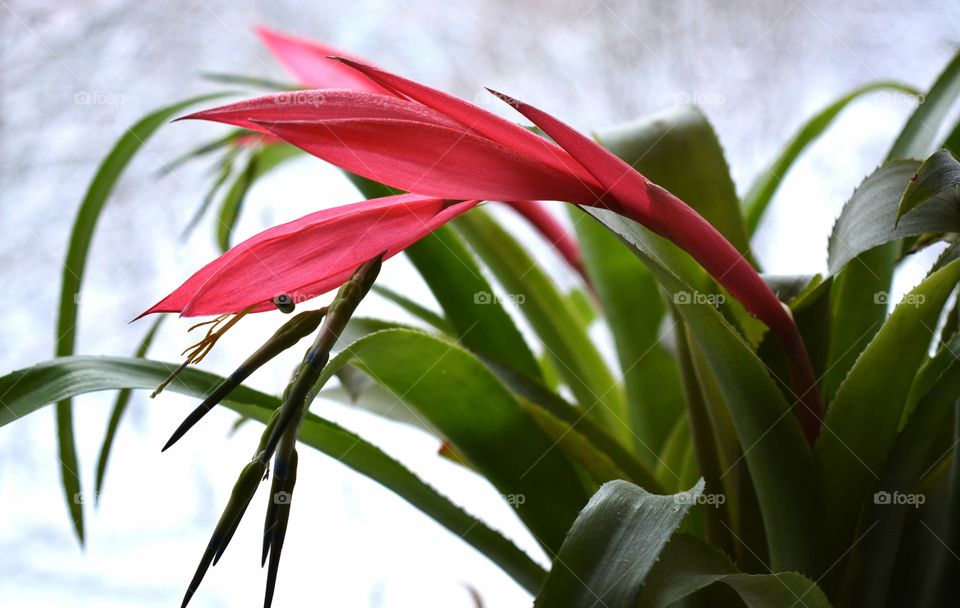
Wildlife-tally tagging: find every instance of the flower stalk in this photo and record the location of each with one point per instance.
(279, 438)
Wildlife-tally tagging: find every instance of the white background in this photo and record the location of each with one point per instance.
(757, 68)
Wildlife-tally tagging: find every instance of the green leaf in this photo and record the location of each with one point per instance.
(939, 175)
(742, 513)
(553, 318)
(871, 564)
(202, 150)
(554, 411)
(930, 373)
(634, 310)
(599, 467)
(869, 218)
(873, 396)
(854, 320)
(704, 438)
(261, 162)
(30, 389)
(119, 408)
(74, 265)
(224, 171)
(451, 272)
(670, 460)
(417, 310)
(380, 401)
(952, 142)
(481, 321)
(611, 547)
(941, 567)
(479, 417)
(582, 301)
(679, 150)
(773, 443)
(919, 135)
(687, 565)
(761, 192)
(663, 147)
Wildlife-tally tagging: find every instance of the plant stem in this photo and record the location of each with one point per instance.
(295, 400)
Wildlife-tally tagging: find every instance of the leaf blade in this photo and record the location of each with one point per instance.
(765, 186)
(30, 389)
(94, 200)
(612, 546)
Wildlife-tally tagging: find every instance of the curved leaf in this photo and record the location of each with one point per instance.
(633, 309)
(553, 410)
(758, 197)
(937, 176)
(687, 565)
(417, 310)
(119, 408)
(869, 219)
(451, 272)
(854, 320)
(874, 396)
(74, 265)
(202, 150)
(952, 142)
(773, 443)
(871, 565)
(477, 415)
(612, 546)
(917, 138)
(679, 150)
(553, 318)
(261, 162)
(29, 389)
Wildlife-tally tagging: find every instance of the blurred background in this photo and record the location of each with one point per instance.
(75, 75)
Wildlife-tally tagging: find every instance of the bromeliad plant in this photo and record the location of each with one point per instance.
(763, 441)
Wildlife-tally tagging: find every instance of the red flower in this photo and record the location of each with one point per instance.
(311, 63)
(309, 256)
(424, 141)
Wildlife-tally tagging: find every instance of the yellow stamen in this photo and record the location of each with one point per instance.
(196, 353)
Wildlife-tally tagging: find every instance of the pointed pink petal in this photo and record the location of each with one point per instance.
(665, 214)
(309, 256)
(619, 180)
(483, 122)
(403, 144)
(668, 216)
(317, 105)
(309, 62)
(431, 160)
